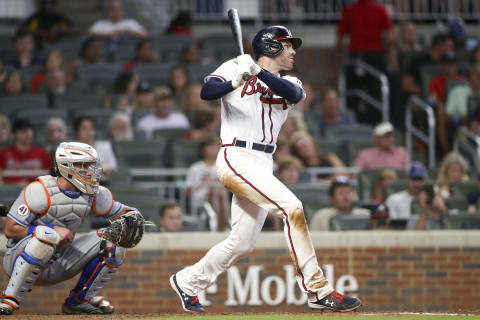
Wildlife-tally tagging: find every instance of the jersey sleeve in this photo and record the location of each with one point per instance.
(20, 213)
(226, 72)
(298, 83)
(104, 204)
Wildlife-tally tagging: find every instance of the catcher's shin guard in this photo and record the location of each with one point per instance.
(96, 273)
(28, 266)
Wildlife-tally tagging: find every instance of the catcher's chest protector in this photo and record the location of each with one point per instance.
(64, 211)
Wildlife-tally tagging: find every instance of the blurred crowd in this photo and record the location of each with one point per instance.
(124, 92)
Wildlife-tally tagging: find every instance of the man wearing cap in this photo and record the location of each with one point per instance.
(341, 196)
(400, 203)
(385, 154)
(23, 155)
(162, 117)
(144, 98)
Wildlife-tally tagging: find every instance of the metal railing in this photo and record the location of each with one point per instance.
(411, 130)
(323, 10)
(383, 106)
(467, 144)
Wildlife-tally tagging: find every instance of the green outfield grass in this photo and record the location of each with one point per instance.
(326, 315)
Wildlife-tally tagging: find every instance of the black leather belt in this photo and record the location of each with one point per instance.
(267, 148)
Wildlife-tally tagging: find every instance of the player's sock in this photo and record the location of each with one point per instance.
(96, 273)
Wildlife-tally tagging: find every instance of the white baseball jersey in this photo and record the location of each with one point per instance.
(251, 112)
(254, 113)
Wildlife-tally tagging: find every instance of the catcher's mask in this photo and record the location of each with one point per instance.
(78, 163)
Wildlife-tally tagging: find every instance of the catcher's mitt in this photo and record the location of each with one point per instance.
(126, 231)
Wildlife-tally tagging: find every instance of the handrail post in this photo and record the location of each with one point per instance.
(428, 139)
(342, 89)
(385, 97)
(384, 105)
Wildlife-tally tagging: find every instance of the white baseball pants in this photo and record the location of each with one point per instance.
(248, 174)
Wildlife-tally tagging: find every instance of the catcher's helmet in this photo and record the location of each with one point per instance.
(267, 41)
(78, 163)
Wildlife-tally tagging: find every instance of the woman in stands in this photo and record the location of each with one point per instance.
(90, 53)
(178, 82)
(304, 148)
(54, 60)
(123, 92)
(144, 53)
(13, 84)
(453, 169)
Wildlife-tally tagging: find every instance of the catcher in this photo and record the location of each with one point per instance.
(41, 225)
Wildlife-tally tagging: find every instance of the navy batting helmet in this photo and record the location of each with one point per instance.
(267, 41)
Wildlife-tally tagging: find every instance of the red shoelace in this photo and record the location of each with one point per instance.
(337, 296)
(194, 300)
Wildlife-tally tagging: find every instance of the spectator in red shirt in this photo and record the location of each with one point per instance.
(365, 22)
(438, 96)
(23, 155)
(53, 60)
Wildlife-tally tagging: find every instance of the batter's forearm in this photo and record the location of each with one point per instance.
(282, 87)
(214, 89)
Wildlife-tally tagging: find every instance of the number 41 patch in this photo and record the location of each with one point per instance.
(23, 210)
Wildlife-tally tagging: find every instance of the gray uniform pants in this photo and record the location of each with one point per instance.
(65, 264)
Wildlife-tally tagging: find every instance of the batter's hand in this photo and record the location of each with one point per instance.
(66, 236)
(238, 80)
(252, 65)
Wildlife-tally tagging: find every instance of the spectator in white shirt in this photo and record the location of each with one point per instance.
(162, 117)
(116, 25)
(431, 205)
(203, 185)
(342, 196)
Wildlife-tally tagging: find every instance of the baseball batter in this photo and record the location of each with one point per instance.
(41, 225)
(253, 112)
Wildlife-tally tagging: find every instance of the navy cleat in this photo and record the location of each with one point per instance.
(189, 303)
(336, 302)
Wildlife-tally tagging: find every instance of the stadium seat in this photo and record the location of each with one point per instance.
(349, 222)
(310, 192)
(98, 78)
(185, 153)
(461, 189)
(456, 204)
(69, 46)
(79, 102)
(9, 193)
(170, 134)
(141, 154)
(10, 105)
(336, 147)
(197, 72)
(462, 221)
(155, 73)
(170, 46)
(351, 132)
(128, 193)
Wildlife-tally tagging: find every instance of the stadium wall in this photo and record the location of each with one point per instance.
(389, 271)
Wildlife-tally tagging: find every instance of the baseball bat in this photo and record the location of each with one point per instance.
(237, 34)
